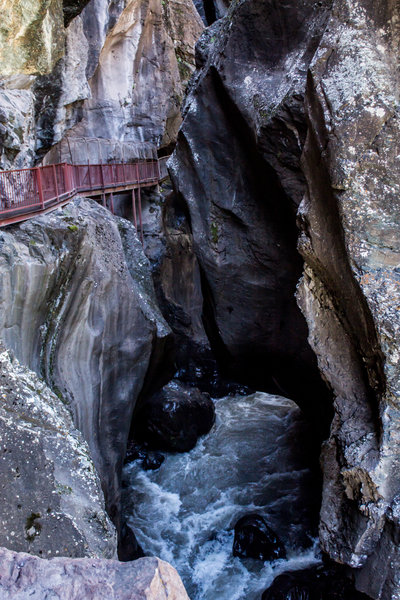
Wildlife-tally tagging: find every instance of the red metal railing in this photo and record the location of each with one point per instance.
(24, 192)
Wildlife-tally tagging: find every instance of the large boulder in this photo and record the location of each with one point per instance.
(242, 189)
(350, 292)
(50, 494)
(79, 309)
(23, 577)
(315, 583)
(255, 539)
(174, 418)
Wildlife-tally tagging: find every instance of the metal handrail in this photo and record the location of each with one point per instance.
(25, 192)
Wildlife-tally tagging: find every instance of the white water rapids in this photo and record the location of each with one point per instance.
(255, 459)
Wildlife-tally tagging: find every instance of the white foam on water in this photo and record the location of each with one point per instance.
(251, 461)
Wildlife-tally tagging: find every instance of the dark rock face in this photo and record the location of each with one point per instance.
(153, 461)
(168, 244)
(72, 8)
(128, 546)
(81, 312)
(50, 495)
(255, 539)
(150, 460)
(316, 583)
(23, 576)
(174, 418)
(242, 190)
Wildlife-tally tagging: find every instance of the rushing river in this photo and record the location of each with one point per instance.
(255, 459)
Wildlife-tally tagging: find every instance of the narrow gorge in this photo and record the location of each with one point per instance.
(199, 300)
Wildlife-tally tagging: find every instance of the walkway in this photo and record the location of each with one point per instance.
(25, 193)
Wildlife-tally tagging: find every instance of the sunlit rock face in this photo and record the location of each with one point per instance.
(31, 36)
(117, 70)
(350, 292)
(51, 499)
(78, 307)
(22, 576)
(144, 65)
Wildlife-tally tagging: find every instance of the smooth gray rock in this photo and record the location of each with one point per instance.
(24, 577)
(78, 307)
(50, 494)
(143, 68)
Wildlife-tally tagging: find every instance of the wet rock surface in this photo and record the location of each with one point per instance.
(23, 576)
(150, 460)
(255, 539)
(128, 546)
(174, 418)
(316, 583)
(81, 312)
(50, 494)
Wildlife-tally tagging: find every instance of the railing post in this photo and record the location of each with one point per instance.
(65, 175)
(102, 175)
(134, 208)
(55, 182)
(140, 214)
(112, 203)
(89, 175)
(40, 187)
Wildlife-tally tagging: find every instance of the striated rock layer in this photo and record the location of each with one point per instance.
(50, 494)
(23, 577)
(78, 307)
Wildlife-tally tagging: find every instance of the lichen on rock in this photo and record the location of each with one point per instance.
(51, 500)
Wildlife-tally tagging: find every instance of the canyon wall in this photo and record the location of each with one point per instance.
(286, 182)
(293, 114)
(350, 290)
(237, 169)
(117, 70)
(78, 307)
